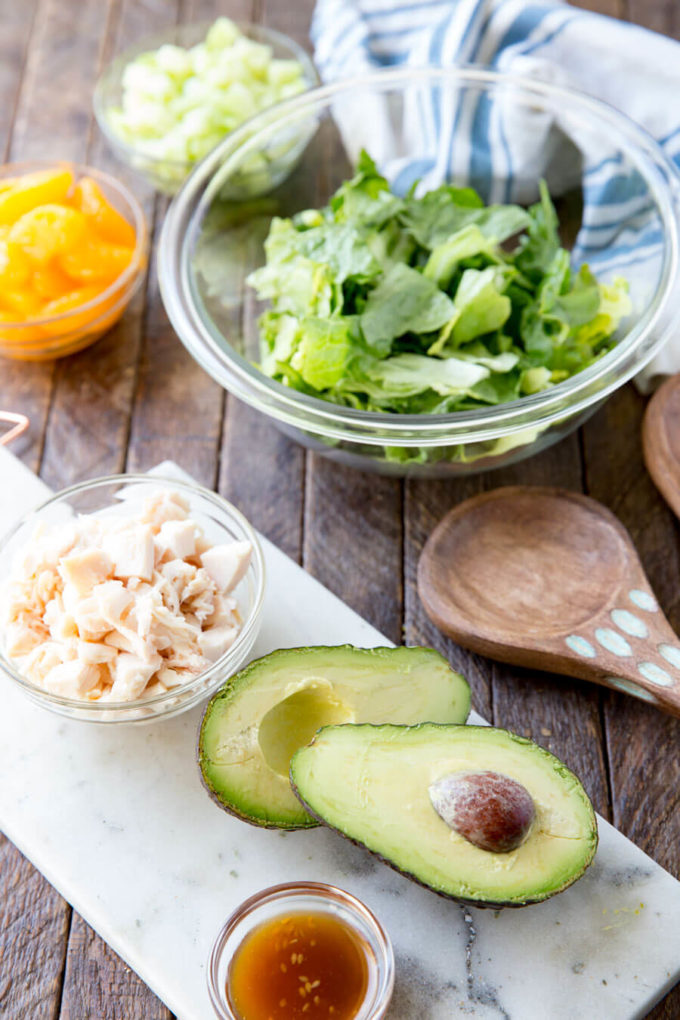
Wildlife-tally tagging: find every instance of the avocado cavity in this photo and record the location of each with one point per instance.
(292, 723)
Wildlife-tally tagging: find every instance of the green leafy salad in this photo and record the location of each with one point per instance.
(425, 305)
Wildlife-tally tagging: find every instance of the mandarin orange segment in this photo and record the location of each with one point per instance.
(95, 261)
(27, 192)
(49, 281)
(107, 221)
(71, 302)
(48, 230)
(15, 267)
(23, 303)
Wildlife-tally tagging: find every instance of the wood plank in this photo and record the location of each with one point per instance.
(353, 526)
(263, 473)
(98, 984)
(613, 8)
(178, 409)
(17, 24)
(659, 15)
(34, 922)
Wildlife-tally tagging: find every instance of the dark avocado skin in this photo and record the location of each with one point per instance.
(480, 904)
(313, 822)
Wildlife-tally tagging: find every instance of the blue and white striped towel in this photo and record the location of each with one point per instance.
(633, 69)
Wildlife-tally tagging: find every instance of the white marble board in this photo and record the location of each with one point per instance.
(118, 822)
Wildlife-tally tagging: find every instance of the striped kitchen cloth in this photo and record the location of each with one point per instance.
(631, 68)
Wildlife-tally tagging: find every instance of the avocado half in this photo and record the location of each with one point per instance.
(252, 726)
(372, 784)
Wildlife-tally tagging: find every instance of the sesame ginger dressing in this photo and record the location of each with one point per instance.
(306, 966)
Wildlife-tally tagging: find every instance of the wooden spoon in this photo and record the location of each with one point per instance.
(551, 580)
(661, 441)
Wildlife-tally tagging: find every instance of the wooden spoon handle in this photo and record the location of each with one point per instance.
(632, 649)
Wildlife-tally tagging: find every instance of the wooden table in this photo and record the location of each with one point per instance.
(137, 398)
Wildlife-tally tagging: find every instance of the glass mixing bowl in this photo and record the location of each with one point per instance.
(482, 121)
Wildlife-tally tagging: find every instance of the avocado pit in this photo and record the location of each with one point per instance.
(490, 810)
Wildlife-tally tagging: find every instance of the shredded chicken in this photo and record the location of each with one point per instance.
(118, 608)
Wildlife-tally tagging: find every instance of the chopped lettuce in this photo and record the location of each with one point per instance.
(427, 305)
(403, 301)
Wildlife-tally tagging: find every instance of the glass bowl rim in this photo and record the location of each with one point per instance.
(155, 39)
(250, 622)
(324, 418)
(132, 273)
(322, 891)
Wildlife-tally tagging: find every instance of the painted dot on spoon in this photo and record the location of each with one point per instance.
(613, 642)
(643, 600)
(655, 674)
(628, 687)
(579, 645)
(671, 654)
(629, 623)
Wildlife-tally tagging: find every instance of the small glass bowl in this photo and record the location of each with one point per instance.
(220, 522)
(167, 175)
(304, 897)
(61, 335)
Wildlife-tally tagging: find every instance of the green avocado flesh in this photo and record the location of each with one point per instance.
(263, 714)
(372, 784)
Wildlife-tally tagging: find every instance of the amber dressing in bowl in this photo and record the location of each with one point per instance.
(301, 951)
(307, 966)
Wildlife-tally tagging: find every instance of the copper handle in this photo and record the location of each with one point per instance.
(19, 423)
